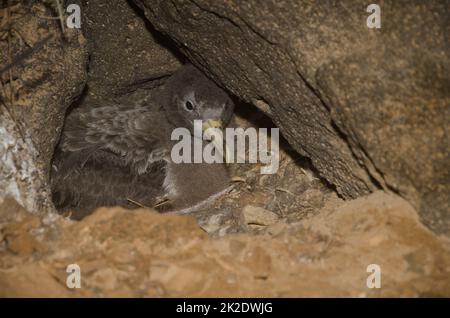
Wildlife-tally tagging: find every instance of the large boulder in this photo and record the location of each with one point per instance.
(370, 107)
(43, 72)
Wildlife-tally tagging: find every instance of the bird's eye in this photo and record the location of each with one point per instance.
(189, 106)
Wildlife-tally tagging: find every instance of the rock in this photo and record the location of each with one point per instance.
(45, 83)
(116, 32)
(170, 256)
(21, 282)
(212, 224)
(52, 77)
(106, 278)
(368, 106)
(253, 215)
(276, 228)
(11, 211)
(260, 261)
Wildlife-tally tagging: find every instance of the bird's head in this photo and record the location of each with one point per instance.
(193, 96)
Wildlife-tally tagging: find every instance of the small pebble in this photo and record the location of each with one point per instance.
(254, 215)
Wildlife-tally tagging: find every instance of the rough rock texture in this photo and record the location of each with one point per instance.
(51, 75)
(48, 75)
(370, 107)
(254, 215)
(125, 53)
(142, 253)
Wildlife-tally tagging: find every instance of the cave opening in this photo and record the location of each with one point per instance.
(283, 234)
(253, 200)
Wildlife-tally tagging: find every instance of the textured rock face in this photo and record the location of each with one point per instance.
(370, 107)
(124, 56)
(32, 106)
(125, 53)
(145, 254)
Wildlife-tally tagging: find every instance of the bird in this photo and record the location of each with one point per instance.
(118, 154)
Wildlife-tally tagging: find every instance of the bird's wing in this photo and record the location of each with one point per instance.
(117, 130)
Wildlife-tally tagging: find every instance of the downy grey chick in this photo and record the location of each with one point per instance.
(119, 155)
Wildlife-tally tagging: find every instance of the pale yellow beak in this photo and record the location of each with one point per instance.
(216, 139)
(212, 123)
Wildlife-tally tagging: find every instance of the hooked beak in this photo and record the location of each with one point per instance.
(216, 139)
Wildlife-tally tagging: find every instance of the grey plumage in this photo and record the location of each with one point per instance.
(120, 154)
